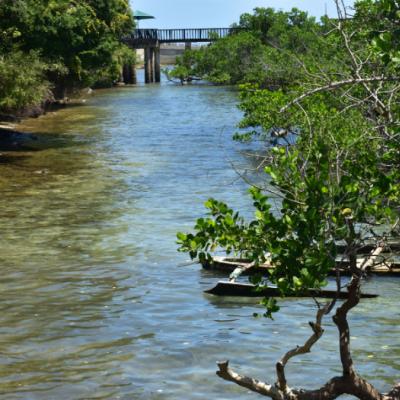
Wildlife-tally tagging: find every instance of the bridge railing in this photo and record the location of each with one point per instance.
(181, 35)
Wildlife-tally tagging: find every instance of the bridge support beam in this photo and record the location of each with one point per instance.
(134, 76)
(148, 65)
(157, 64)
(188, 45)
(150, 40)
(152, 65)
(129, 74)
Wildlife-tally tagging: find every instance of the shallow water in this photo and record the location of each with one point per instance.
(95, 302)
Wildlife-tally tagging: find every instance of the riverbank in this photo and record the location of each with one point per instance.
(10, 120)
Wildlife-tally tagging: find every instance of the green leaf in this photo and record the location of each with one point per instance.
(181, 236)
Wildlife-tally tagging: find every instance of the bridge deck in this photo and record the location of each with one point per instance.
(150, 36)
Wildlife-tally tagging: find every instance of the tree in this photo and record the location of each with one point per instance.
(234, 59)
(250, 54)
(77, 42)
(22, 88)
(293, 30)
(339, 183)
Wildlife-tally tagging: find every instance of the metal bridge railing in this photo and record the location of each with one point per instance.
(181, 35)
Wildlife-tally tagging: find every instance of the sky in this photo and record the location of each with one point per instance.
(217, 13)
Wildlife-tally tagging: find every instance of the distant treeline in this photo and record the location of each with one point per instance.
(258, 53)
(49, 48)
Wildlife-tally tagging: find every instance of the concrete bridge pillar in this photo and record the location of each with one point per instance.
(150, 39)
(148, 64)
(134, 76)
(152, 66)
(157, 64)
(129, 74)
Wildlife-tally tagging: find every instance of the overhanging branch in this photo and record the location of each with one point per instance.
(336, 85)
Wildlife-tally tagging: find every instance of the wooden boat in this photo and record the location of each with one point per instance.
(229, 265)
(248, 290)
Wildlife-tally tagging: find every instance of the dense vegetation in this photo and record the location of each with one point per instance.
(49, 47)
(255, 46)
(335, 85)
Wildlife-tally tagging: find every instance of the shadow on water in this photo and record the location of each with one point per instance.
(8, 159)
(15, 142)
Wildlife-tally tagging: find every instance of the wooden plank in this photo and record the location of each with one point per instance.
(223, 288)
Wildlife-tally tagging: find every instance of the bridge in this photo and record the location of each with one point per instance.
(151, 39)
(140, 37)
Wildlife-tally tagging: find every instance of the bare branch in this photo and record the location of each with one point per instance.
(252, 384)
(306, 348)
(340, 319)
(338, 84)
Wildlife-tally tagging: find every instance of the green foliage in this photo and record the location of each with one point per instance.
(236, 58)
(326, 181)
(316, 200)
(382, 18)
(340, 180)
(21, 87)
(293, 30)
(78, 40)
(252, 55)
(187, 66)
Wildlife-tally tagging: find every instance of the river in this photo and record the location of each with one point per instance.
(95, 302)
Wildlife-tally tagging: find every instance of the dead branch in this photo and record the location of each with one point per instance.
(252, 384)
(336, 85)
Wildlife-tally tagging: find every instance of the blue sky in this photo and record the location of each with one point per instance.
(217, 13)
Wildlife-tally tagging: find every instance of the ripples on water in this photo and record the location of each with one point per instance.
(94, 302)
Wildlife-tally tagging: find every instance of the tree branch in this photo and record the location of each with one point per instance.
(254, 385)
(331, 390)
(340, 319)
(306, 348)
(353, 385)
(336, 85)
(394, 394)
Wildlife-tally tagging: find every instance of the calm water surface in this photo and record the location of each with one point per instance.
(95, 302)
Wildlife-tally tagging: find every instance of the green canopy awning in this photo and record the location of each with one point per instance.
(141, 15)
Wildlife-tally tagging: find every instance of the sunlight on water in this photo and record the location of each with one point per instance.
(94, 301)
